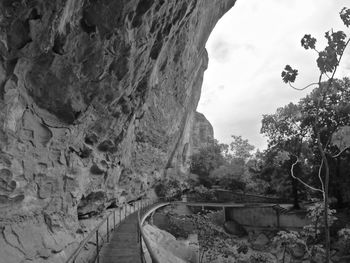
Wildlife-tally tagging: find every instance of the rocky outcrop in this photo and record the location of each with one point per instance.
(96, 104)
(202, 134)
(168, 249)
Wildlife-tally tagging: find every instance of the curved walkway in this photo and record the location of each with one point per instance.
(124, 245)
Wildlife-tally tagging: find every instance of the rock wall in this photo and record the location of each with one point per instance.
(96, 104)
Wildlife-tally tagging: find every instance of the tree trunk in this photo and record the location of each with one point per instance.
(295, 186)
(295, 194)
(326, 223)
(338, 192)
(325, 198)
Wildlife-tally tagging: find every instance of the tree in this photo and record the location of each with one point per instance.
(334, 113)
(206, 160)
(230, 175)
(286, 132)
(327, 62)
(240, 148)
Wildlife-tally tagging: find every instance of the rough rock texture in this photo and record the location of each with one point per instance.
(170, 250)
(96, 103)
(202, 133)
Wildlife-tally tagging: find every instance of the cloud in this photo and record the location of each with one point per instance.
(248, 49)
(223, 50)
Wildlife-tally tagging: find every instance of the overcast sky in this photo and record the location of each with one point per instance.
(248, 50)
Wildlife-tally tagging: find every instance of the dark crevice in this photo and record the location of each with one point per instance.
(86, 26)
(91, 139)
(82, 153)
(142, 7)
(34, 15)
(58, 45)
(157, 46)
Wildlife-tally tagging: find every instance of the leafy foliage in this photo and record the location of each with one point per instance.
(169, 190)
(341, 138)
(205, 161)
(344, 240)
(315, 214)
(240, 148)
(202, 194)
(308, 42)
(289, 74)
(307, 239)
(258, 257)
(230, 176)
(345, 16)
(223, 164)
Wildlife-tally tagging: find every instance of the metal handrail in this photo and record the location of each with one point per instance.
(142, 236)
(95, 231)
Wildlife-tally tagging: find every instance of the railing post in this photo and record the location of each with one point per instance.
(138, 231)
(278, 218)
(107, 228)
(224, 213)
(120, 215)
(97, 249)
(125, 207)
(114, 219)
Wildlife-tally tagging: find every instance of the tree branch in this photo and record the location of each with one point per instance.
(312, 84)
(319, 176)
(338, 154)
(301, 181)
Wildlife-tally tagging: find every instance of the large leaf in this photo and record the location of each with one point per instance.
(341, 138)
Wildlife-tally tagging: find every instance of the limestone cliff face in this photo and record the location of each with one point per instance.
(202, 134)
(96, 103)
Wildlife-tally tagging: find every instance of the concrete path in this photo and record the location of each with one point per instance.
(123, 246)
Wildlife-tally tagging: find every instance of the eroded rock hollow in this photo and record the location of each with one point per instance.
(97, 102)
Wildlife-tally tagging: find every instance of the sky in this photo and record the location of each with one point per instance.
(248, 50)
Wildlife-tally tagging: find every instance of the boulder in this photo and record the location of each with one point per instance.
(260, 242)
(234, 228)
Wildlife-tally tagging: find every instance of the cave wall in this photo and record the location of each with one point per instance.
(97, 99)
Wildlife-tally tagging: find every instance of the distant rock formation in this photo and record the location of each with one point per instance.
(96, 104)
(202, 133)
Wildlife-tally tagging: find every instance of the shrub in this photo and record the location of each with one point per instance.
(169, 190)
(202, 194)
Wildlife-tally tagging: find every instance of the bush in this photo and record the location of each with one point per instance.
(169, 190)
(344, 240)
(202, 194)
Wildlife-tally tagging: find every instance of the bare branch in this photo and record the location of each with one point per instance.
(327, 75)
(319, 176)
(312, 84)
(301, 181)
(338, 154)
